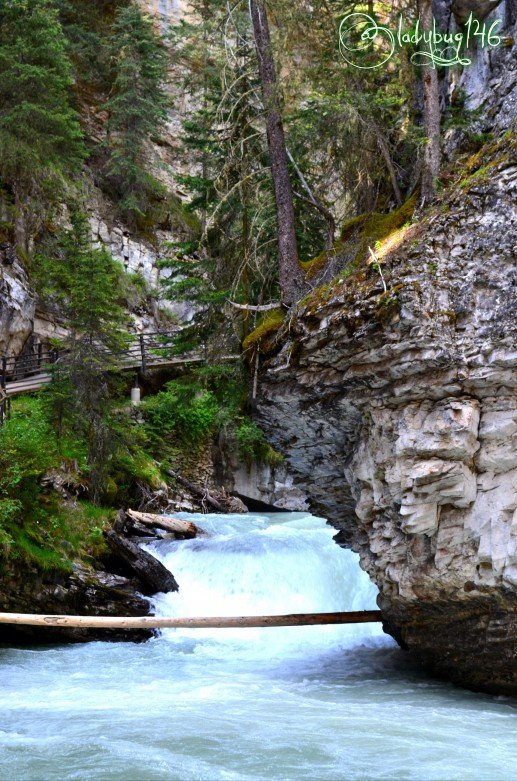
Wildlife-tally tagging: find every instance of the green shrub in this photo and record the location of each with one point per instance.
(253, 445)
(35, 524)
(183, 412)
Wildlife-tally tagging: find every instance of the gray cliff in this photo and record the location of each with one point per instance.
(398, 414)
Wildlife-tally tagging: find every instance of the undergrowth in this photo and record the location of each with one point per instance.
(190, 411)
(35, 524)
(44, 515)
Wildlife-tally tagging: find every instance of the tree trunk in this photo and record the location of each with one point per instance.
(383, 146)
(223, 622)
(198, 492)
(20, 227)
(171, 525)
(153, 576)
(432, 117)
(290, 271)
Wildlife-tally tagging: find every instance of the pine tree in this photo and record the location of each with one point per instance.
(87, 283)
(289, 268)
(137, 109)
(40, 136)
(230, 185)
(432, 112)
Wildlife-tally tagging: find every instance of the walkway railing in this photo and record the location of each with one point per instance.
(31, 371)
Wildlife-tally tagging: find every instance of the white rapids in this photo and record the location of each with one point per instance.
(315, 703)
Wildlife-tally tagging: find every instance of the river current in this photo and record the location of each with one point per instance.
(322, 703)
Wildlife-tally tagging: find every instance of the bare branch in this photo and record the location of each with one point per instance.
(251, 308)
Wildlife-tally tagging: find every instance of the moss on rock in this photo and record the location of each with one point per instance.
(267, 327)
(382, 232)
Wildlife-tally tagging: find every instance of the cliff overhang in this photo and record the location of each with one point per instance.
(393, 397)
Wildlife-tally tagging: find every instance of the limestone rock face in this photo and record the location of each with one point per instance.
(272, 484)
(398, 415)
(17, 305)
(479, 9)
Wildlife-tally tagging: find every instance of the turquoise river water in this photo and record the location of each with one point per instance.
(322, 703)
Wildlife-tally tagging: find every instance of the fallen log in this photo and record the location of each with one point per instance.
(153, 575)
(196, 491)
(172, 525)
(157, 622)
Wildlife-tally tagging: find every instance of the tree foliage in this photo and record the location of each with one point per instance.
(41, 142)
(137, 109)
(350, 135)
(87, 283)
(229, 181)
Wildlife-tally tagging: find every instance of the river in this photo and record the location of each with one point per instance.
(322, 703)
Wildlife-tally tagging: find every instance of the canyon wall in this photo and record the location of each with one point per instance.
(397, 410)
(398, 414)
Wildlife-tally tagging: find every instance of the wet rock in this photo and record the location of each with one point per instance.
(84, 591)
(153, 576)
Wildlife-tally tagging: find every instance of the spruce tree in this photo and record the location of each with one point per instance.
(290, 273)
(229, 178)
(40, 136)
(87, 284)
(137, 109)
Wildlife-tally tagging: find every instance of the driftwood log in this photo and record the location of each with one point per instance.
(173, 525)
(154, 622)
(151, 572)
(198, 492)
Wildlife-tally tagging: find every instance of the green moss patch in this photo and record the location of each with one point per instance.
(266, 328)
(381, 232)
(313, 267)
(377, 229)
(479, 168)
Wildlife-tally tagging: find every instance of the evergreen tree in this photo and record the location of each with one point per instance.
(87, 282)
(432, 112)
(290, 272)
(40, 137)
(137, 109)
(230, 184)
(86, 28)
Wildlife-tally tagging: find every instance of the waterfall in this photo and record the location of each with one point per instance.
(265, 565)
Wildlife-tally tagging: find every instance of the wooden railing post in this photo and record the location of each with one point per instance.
(144, 357)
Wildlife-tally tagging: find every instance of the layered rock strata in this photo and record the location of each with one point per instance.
(83, 592)
(397, 412)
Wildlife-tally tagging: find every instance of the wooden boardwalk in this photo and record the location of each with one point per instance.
(30, 372)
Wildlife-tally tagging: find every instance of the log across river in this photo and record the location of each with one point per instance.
(161, 622)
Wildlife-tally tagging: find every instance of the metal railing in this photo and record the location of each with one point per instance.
(143, 352)
(26, 365)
